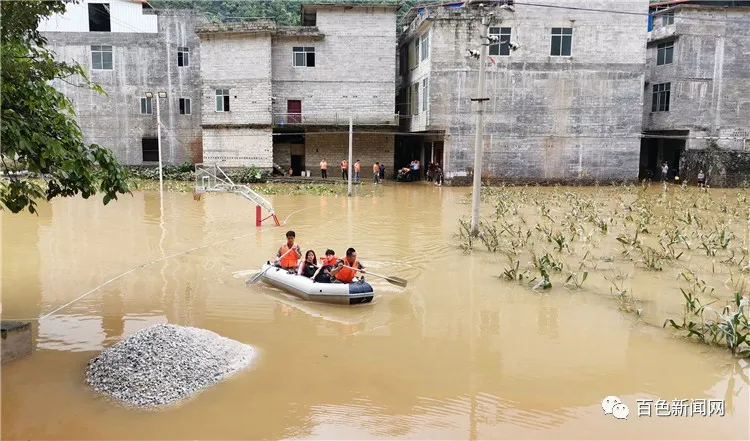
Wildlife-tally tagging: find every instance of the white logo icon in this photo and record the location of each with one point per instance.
(613, 405)
(609, 403)
(620, 411)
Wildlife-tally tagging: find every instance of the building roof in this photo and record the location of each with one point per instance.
(714, 3)
(252, 27)
(349, 5)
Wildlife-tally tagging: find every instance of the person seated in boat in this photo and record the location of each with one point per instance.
(323, 275)
(309, 266)
(289, 261)
(344, 274)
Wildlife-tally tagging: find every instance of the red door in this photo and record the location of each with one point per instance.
(294, 111)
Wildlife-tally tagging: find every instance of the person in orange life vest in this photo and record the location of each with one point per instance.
(344, 169)
(290, 261)
(357, 167)
(346, 275)
(324, 169)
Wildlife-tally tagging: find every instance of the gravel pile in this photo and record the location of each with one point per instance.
(163, 364)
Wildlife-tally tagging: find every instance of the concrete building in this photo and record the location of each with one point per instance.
(284, 94)
(696, 113)
(564, 82)
(129, 49)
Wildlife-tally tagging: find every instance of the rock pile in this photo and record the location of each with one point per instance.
(163, 364)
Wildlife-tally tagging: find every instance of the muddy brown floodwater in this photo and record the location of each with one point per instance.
(458, 354)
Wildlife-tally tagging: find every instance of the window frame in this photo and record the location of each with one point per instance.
(223, 105)
(100, 49)
(424, 48)
(662, 50)
(667, 18)
(183, 56)
(503, 44)
(147, 106)
(561, 33)
(425, 96)
(185, 105)
(307, 54)
(661, 97)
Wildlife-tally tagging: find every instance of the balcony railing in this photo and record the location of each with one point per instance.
(334, 119)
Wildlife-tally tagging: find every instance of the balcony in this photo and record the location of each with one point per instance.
(333, 119)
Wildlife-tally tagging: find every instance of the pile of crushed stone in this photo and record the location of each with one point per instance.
(163, 364)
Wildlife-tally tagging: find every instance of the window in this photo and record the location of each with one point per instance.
(424, 95)
(425, 48)
(416, 52)
(150, 149)
(146, 106)
(101, 57)
(304, 56)
(99, 20)
(664, 53)
(562, 42)
(415, 99)
(667, 18)
(184, 106)
(183, 56)
(502, 47)
(222, 100)
(309, 18)
(660, 100)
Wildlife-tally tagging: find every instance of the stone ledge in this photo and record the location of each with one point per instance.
(16, 340)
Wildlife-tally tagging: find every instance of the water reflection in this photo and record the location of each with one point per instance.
(455, 355)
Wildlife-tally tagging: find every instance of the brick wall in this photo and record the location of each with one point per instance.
(282, 155)
(238, 147)
(241, 64)
(142, 62)
(334, 147)
(355, 66)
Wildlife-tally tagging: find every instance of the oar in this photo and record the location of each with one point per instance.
(393, 280)
(257, 277)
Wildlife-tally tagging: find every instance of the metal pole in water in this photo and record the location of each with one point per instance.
(349, 164)
(158, 140)
(478, 144)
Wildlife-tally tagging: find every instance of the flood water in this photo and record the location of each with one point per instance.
(458, 354)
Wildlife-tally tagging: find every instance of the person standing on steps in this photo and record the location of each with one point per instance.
(324, 169)
(357, 167)
(345, 169)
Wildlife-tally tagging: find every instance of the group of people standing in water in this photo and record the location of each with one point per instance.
(329, 269)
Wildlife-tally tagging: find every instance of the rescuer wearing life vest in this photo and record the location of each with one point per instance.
(290, 261)
(346, 275)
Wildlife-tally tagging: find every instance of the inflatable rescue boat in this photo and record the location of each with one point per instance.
(305, 288)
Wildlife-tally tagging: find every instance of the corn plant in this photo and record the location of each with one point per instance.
(651, 259)
(512, 272)
(575, 280)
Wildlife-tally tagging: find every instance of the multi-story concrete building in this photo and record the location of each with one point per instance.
(284, 94)
(697, 107)
(130, 50)
(564, 82)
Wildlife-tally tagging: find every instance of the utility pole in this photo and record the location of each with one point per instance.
(349, 163)
(479, 141)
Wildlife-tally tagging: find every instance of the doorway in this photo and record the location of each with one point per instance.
(658, 149)
(298, 159)
(294, 111)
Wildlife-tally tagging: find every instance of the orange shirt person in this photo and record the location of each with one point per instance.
(346, 275)
(290, 261)
(324, 169)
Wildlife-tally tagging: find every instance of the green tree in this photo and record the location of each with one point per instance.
(38, 129)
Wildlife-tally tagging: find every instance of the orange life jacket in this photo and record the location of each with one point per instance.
(346, 275)
(290, 260)
(326, 261)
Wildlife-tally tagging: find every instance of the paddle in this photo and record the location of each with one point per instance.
(393, 280)
(257, 277)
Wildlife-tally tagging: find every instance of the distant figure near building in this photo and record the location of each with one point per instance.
(376, 173)
(701, 179)
(345, 169)
(324, 169)
(664, 171)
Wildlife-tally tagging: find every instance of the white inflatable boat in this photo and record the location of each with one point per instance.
(305, 288)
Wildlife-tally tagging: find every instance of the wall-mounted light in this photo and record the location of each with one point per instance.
(149, 95)
(162, 94)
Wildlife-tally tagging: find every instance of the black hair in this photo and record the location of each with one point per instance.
(290, 233)
(330, 251)
(350, 251)
(315, 258)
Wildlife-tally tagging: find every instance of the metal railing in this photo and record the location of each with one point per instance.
(334, 119)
